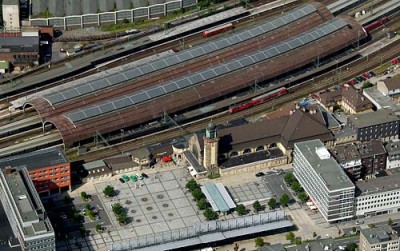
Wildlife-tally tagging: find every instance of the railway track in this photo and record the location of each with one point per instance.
(306, 88)
(190, 40)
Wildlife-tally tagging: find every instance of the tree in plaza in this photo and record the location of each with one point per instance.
(202, 204)
(290, 236)
(241, 209)
(259, 242)
(297, 241)
(302, 196)
(84, 196)
(353, 229)
(82, 230)
(87, 206)
(351, 247)
(90, 214)
(109, 191)
(122, 218)
(257, 206)
(289, 178)
(314, 235)
(98, 228)
(191, 185)
(272, 203)
(390, 222)
(284, 200)
(117, 209)
(198, 194)
(210, 214)
(296, 187)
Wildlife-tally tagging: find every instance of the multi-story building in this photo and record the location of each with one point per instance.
(21, 49)
(389, 87)
(393, 154)
(373, 157)
(323, 180)
(354, 102)
(349, 159)
(378, 239)
(49, 168)
(377, 196)
(10, 10)
(25, 211)
(382, 124)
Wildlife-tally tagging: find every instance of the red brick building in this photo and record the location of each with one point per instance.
(49, 169)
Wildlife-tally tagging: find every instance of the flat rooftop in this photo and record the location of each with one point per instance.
(373, 118)
(37, 159)
(327, 168)
(244, 159)
(26, 199)
(378, 185)
(379, 234)
(379, 100)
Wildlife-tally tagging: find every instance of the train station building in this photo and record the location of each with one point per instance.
(253, 146)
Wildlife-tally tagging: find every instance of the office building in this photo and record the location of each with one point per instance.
(323, 180)
(378, 239)
(382, 124)
(376, 196)
(393, 154)
(49, 169)
(25, 211)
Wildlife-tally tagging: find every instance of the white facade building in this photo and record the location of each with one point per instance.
(393, 155)
(324, 180)
(383, 238)
(378, 196)
(10, 10)
(25, 211)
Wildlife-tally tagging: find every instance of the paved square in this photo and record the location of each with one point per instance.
(154, 205)
(250, 192)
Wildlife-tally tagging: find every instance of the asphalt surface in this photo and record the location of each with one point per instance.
(276, 185)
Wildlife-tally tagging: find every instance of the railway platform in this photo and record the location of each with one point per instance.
(31, 145)
(19, 125)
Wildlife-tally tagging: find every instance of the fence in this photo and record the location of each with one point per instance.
(276, 220)
(88, 20)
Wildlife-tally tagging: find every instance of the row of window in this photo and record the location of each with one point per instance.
(379, 196)
(380, 205)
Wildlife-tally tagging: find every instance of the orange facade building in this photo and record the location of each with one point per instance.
(49, 169)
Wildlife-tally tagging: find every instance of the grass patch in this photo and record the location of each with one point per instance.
(382, 68)
(347, 236)
(148, 23)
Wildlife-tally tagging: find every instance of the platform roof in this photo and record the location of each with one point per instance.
(192, 53)
(195, 78)
(218, 197)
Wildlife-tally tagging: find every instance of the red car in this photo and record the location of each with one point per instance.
(351, 82)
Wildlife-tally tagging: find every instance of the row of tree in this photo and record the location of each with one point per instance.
(120, 213)
(294, 184)
(201, 200)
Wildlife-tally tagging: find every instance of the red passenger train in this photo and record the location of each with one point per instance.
(258, 100)
(376, 24)
(217, 30)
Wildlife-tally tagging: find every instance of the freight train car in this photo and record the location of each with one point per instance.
(217, 30)
(376, 24)
(258, 100)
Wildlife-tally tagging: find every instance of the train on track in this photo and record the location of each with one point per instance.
(217, 30)
(258, 100)
(376, 24)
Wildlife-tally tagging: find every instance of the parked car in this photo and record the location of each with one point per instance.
(359, 222)
(145, 176)
(121, 180)
(260, 174)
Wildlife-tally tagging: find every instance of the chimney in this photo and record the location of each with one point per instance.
(9, 170)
